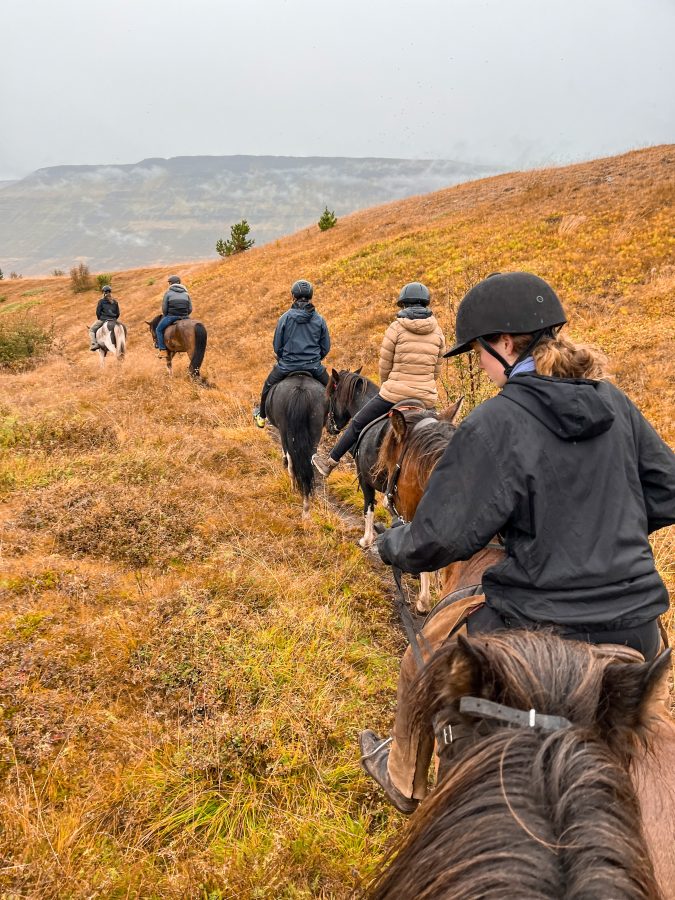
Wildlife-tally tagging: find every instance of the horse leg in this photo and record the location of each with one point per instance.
(423, 604)
(369, 534)
(169, 362)
(101, 357)
(305, 507)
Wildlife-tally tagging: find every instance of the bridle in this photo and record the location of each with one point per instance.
(392, 482)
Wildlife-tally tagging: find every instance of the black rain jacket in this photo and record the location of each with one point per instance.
(301, 338)
(573, 478)
(107, 310)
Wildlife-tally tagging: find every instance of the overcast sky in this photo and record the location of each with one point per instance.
(511, 82)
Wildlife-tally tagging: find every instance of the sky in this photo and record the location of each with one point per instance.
(513, 83)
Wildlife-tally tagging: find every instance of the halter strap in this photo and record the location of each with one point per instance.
(524, 718)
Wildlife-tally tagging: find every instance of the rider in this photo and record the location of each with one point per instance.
(301, 342)
(410, 363)
(567, 471)
(107, 310)
(176, 304)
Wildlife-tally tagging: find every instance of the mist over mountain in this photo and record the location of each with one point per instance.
(163, 210)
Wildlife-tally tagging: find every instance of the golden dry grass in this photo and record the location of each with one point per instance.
(184, 667)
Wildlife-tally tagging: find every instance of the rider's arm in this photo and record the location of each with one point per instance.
(324, 340)
(117, 309)
(387, 350)
(439, 361)
(99, 306)
(165, 304)
(468, 499)
(656, 466)
(278, 342)
(189, 300)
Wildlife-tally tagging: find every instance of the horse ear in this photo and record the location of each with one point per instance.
(632, 694)
(358, 371)
(451, 414)
(335, 375)
(468, 667)
(398, 424)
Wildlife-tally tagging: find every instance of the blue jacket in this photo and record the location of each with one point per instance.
(301, 338)
(177, 302)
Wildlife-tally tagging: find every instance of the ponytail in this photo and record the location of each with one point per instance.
(562, 358)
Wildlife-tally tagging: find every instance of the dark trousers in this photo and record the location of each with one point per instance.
(277, 374)
(373, 409)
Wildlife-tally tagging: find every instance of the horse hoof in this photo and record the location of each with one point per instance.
(364, 543)
(422, 608)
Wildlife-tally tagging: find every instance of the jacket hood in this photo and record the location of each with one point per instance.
(178, 289)
(415, 312)
(574, 409)
(418, 325)
(302, 310)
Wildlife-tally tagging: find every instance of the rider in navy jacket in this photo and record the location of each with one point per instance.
(301, 342)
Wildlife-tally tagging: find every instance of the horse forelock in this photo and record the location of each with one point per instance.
(424, 445)
(522, 812)
(349, 387)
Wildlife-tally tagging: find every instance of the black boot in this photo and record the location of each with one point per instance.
(374, 758)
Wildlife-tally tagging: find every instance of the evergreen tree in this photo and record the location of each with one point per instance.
(238, 241)
(327, 220)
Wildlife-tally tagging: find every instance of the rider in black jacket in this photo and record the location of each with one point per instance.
(107, 310)
(564, 468)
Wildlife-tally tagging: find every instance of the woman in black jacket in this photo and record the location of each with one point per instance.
(565, 469)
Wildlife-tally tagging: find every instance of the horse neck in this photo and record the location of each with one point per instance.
(362, 397)
(467, 572)
(563, 809)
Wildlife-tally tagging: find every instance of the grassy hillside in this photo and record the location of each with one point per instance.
(184, 667)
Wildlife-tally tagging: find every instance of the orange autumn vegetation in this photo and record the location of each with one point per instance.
(184, 667)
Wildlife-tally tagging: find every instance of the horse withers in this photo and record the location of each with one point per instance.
(556, 775)
(184, 336)
(297, 408)
(111, 337)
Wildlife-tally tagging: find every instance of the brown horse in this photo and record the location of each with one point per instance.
(184, 336)
(557, 782)
(410, 450)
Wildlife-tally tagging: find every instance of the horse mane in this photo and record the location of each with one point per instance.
(522, 812)
(350, 386)
(424, 445)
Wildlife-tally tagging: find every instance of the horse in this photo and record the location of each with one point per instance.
(408, 453)
(111, 338)
(556, 782)
(297, 407)
(184, 336)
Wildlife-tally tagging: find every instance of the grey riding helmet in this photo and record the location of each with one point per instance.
(174, 279)
(509, 303)
(106, 289)
(414, 294)
(302, 290)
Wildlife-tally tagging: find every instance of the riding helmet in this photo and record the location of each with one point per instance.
(302, 290)
(106, 289)
(508, 303)
(174, 279)
(414, 294)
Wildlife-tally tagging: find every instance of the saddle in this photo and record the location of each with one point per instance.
(411, 403)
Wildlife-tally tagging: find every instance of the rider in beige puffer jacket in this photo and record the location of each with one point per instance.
(410, 363)
(410, 358)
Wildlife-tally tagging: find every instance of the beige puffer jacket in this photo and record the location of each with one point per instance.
(410, 360)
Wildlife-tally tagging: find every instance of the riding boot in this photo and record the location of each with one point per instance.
(323, 465)
(374, 759)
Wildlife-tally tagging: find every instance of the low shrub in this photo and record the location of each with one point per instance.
(23, 342)
(80, 278)
(103, 279)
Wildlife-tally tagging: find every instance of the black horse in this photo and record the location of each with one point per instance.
(348, 392)
(297, 407)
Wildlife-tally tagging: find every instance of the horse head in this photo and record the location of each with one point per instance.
(152, 325)
(342, 391)
(535, 735)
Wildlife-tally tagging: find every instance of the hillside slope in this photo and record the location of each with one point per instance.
(184, 667)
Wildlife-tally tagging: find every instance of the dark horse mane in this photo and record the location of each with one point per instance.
(350, 386)
(425, 445)
(524, 813)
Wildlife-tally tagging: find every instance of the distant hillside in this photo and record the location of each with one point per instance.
(160, 210)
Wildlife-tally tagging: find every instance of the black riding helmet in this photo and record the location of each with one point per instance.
(509, 303)
(106, 289)
(174, 279)
(302, 290)
(414, 294)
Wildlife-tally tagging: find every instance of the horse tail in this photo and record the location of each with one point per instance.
(197, 357)
(121, 339)
(299, 439)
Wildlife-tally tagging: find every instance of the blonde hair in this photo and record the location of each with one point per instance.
(562, 358)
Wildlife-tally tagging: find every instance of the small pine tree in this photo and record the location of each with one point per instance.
(1, 275)
(58, 272)
(328, 219)
(238, 241)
